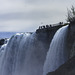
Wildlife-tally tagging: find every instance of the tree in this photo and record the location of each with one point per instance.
(71, 15)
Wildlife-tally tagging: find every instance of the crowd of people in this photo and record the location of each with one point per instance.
(49, 26)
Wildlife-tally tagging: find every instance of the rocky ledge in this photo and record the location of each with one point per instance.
(50, 27)
(3, 41)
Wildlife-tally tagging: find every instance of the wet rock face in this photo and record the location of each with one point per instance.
(72, 50)
(69, 67)
(71, 40)
(45, 35)
(66, 69)
(2, 41)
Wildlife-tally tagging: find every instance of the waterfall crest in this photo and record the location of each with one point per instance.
(57, 53)
(23, 55)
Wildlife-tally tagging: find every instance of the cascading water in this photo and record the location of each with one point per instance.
(57, 53)
(23, 55)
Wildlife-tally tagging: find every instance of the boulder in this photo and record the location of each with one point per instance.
(2, 41)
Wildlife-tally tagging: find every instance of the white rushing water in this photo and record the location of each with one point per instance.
(57, 53)
(24, 54)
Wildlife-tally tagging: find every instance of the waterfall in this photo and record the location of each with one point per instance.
(57, 53)
(24, 54)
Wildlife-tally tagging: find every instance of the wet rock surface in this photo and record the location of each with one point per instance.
(66, 69)
(2, 41)
(47, 33)
(71, 40)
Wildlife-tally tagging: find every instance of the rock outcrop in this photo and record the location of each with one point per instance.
(2, 41)
(66, 69)
(69, 67)
(71, 40)
(47, 32)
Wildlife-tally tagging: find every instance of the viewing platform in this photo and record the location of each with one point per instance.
(50, 27)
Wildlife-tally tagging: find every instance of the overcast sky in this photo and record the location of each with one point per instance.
(27, 15)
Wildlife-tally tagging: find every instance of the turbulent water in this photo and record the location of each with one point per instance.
(23, 55)
(57, 53)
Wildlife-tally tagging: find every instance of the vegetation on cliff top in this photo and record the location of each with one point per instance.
(71, 15)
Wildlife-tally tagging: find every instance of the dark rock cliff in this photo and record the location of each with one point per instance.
(69, 67)
(2, 41)
(45, 35)
(71, 40)
(66, 69)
